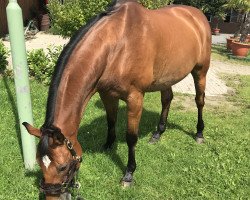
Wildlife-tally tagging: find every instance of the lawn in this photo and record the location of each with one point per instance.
(174, 168)
(220, 52)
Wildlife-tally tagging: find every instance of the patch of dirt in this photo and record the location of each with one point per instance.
(229, 68)
(41, 40)
(187, 103)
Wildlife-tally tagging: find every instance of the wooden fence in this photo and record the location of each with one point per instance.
(30, 9)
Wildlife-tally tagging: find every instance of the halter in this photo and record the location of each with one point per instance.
(57, 189)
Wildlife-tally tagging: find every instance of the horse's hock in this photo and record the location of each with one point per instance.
(214, 85)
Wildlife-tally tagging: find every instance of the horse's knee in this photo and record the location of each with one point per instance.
(131, 139)
(199, 99)
(166, 97)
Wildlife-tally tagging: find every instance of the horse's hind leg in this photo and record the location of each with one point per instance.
(166, 98)
(111, 107)
(134, 110)
(199, 75)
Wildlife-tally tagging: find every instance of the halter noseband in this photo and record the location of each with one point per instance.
(56, 189)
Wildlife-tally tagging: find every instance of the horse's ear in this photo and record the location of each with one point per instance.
(32, 130)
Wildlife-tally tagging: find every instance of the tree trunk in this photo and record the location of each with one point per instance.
(245, 28)
(238, 32)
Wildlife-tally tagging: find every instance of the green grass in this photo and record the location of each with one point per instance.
(220, 52)
(175, 168)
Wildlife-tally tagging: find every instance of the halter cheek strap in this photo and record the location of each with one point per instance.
(72, 151)
(57, 189)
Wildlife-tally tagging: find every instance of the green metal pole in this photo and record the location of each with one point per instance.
(19, 59)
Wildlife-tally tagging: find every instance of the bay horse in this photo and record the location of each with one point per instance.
(122, 53)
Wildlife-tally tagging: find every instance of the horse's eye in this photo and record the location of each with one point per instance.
(62, 168)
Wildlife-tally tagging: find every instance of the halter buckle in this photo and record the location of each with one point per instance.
(77, 185)
(69, 144)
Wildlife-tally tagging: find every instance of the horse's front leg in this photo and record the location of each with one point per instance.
(134, 110)
(111, 107)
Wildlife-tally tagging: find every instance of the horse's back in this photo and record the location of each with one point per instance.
(157, 48)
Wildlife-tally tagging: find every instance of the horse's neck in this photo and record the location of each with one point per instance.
(76, 87)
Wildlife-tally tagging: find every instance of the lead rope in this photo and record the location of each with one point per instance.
(77, 186)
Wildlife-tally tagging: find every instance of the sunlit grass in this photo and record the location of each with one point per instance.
(220, 52)
(175, 168)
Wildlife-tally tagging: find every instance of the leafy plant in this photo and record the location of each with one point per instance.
(66, 18)
(153, 4)
(202, 5)
(41, 63)
(214, 7)
(69, 16)
(3, 57)
(242, 6)
(217, 9)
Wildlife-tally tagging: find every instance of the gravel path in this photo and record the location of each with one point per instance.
(42, 40)
(215, 86)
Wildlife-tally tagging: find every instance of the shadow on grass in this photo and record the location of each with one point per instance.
(92, 136)
(11, 98)
(38, 174)
(220, 49)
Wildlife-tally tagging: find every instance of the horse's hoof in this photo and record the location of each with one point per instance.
(155, 138)
(126, 184)
(79, 198)
(200, 140)
(127, 180)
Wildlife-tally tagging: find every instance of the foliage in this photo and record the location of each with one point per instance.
(242, 6)
(3, 57)
(239, 5)
(68, 17)
(202, 5)
(153, 4)
(214, 7)
(41, 63)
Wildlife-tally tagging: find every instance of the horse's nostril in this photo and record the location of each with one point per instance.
(62, 168)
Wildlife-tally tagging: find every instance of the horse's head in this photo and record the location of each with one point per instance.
(57, 159)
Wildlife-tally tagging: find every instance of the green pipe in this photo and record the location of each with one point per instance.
(19, 60)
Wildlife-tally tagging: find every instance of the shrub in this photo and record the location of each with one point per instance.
(153, 4)
(68, 17)
(3, 57)
(41, 63)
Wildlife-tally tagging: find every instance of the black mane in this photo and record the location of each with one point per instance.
(48, 130)
(63, 59)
